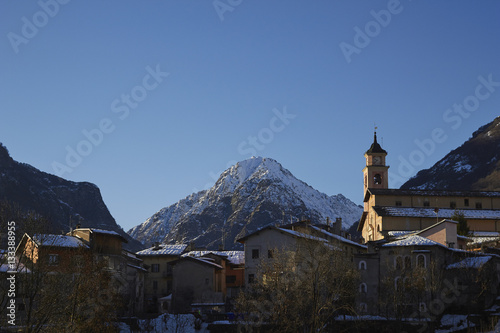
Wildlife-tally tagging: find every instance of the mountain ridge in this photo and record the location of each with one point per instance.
(475, 165)
(247, 196)
(62, 202)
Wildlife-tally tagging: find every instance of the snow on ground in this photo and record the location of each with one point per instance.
(167, 323)
(452, 323)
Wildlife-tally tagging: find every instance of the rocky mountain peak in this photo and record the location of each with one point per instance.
(249, 195)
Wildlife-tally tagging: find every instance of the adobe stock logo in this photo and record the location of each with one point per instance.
(30, 28)
(454, 117)
(363, 37)
(121, 106)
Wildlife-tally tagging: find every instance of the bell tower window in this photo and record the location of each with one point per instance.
(377, 179)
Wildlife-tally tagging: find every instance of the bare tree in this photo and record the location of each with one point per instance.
(302, 289)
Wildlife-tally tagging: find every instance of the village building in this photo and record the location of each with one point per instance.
(199, 284)
(234, 268)
(159, 280)
(262, 244)
(422, 274)
(391, 211)
(67, 254)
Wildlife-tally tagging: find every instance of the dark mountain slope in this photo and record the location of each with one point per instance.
(475, 165)
(60, 201)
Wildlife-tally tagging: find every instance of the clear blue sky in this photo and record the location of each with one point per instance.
(101, 67)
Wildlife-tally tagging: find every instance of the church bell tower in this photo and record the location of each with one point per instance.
(375, 172)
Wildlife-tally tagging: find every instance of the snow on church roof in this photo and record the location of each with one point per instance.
(445, 213)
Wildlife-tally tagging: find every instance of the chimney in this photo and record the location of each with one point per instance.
(337, 228)
(78, 226)
(156, 246)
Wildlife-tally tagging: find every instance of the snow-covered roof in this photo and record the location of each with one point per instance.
(485, 234)
(471, 262)
(164, 250)
(429, 193)
(414, 240)
(302, 235)
(137, 267)
(234, 257)
(337, 237)
(399, 233)
(102, 231)
(445, 213)
(58, 241)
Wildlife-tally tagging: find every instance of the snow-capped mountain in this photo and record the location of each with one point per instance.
(249, 195)
(475, 165)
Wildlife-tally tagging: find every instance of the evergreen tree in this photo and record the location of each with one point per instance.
(462, 228)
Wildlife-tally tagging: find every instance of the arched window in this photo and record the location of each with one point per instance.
(377, 179)
(398, 284)
(421, 261)
(362, 265)
(408, 262)
(398, 262)
(362, 288)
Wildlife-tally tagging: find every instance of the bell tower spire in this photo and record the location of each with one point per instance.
(375, 172)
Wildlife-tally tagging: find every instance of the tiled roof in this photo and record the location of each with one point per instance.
(164, 250)
(472, 262)
(58, 241)
(414, 241)
(234, 257)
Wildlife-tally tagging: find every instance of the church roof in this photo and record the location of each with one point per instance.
(430, 193)
(443, 213)
(375, 147)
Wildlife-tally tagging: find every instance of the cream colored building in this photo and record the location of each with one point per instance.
(388, 212)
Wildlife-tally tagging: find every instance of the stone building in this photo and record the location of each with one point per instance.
(388, 211)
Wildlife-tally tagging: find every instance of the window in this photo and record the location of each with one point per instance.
(451, 245)
(255, 254)
(251, 278)
(466, 204)
(407, 262)
(421, 261)
(155, 285)
(362, 288)
(362, 265)
(427, 204)
(422, 307)
(207, 281)
(77, 261)
(453, 204)
(231, 279)
(479, 205)
(53, 259)
(270, 253)
(155, 268)
(398, 262)
(399, 203)
(377, 179)
(363, 307)
(398, 284)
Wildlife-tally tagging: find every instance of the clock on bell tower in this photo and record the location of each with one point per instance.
(375, 172)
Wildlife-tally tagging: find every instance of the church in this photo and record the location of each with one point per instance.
(393, 212)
